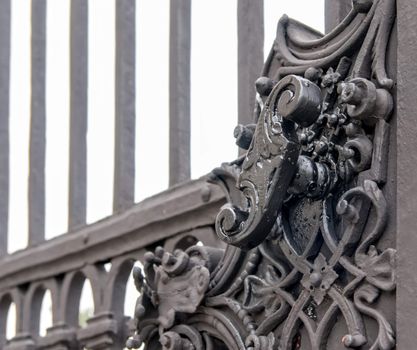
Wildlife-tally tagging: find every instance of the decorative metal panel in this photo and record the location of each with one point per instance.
(305, 208)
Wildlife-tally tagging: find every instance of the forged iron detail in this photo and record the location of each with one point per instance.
(365, 31)
(364, 101)
(305, 213)
(270, 162)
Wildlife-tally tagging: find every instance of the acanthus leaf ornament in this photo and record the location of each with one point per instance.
(305, 213)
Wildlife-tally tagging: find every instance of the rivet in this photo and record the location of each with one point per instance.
(205, 193)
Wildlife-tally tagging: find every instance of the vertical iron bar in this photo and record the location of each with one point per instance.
(5, 22)
(250, 23)
(406, 179)
(179, 91)
(37, 125)
(334, 12)
(124, 167)
(78, 113)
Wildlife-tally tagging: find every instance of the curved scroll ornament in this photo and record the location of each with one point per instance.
(304, 266)
(270, 163)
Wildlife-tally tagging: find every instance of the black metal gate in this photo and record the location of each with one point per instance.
(304, 242)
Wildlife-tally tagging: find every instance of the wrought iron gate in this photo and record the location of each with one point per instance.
(300, 243)
(304, 266)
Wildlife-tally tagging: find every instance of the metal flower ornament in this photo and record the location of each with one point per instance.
(306, 208)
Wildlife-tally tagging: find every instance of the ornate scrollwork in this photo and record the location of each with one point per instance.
(306, 208)
(270, 163)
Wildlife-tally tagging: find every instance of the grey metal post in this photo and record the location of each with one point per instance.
(179, 91)
(37, 125)
(250, 22)
(78, 114)
(406, 181)
(124, 163)
(5, 21)
(335, 11)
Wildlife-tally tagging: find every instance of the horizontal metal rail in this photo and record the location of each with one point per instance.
(179, 209)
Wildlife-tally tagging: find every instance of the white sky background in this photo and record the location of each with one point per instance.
(213, 108)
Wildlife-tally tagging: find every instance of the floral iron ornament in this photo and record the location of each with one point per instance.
(302, 267)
